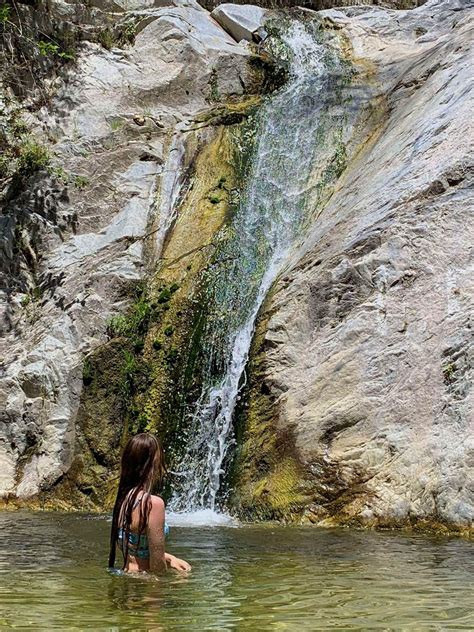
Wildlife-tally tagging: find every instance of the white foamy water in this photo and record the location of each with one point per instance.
(201, 518)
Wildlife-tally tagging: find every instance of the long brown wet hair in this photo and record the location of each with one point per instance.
(143, 465)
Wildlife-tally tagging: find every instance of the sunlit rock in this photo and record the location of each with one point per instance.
(243, 22)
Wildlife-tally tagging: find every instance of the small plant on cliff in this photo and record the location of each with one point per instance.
(80, 182)
(214, 94)
(135, 377)
(18, 126)
(52, 49)
(47, 48)
(116, 125)
(214, 198)
(117, 326)
(4, 14)
(166, 293)
(128, 370)
(127, 33)
(134, 323)
(106, 38)
(448, 373)
(20, 153)
(32, 157)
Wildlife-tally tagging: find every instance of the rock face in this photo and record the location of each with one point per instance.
(365, 347)
(74, 241)
(359, 408)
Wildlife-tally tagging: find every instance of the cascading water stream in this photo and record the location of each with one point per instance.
(274, 207)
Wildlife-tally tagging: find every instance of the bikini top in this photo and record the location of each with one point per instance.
(138, 544)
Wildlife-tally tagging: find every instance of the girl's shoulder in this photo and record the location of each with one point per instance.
(157, 502)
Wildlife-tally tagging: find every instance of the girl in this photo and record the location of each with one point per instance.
(138, 522)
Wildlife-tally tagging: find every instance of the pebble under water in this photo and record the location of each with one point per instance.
(53, 576)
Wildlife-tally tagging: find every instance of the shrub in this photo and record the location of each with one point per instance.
(80, 182)
(4, 13)
(49, 49)
(106, 38)
(134, 323)
(32, 157)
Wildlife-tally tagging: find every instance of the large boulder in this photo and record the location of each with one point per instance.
(242, 21)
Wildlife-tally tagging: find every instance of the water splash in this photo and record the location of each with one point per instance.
(273, 211)
(200, 518)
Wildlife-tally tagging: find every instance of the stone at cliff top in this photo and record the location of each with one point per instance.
(135, 5)
(241, 21)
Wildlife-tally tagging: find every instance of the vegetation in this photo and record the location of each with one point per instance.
(166, 293)
(448, 373)
(134, 323)
(106, 38)
(21, 154)
(116, 124)
(214, 198)
(120, 36)
(32, 157)
(80, 182)
(135, 369)
(4, 14)
(30, 58)
(51, 48)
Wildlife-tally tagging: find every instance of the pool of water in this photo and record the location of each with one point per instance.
(53, 576)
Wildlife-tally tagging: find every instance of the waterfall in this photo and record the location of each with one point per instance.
(275, 206)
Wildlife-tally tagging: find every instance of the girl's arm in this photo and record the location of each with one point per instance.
(156, 536)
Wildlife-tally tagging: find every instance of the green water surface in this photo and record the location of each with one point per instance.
(53, 576)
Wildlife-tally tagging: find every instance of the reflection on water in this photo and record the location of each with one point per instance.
(53, 576)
